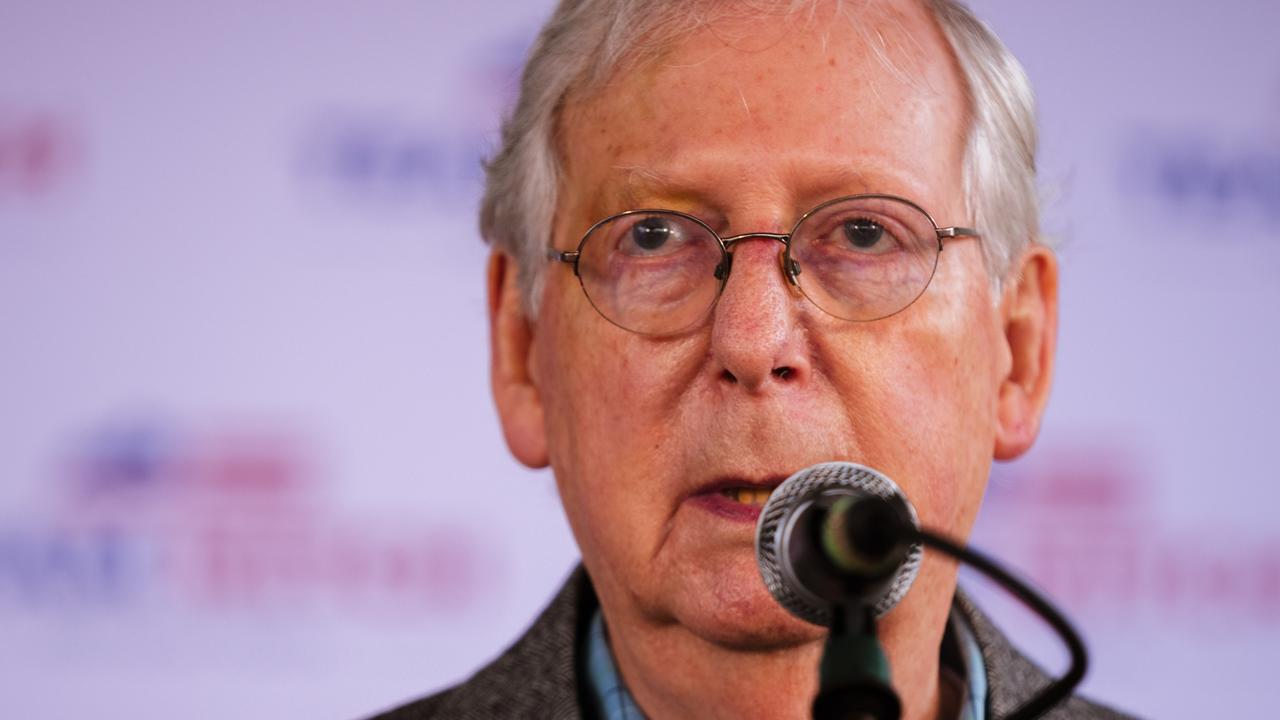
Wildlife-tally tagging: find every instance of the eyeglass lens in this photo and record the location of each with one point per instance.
(859, 258)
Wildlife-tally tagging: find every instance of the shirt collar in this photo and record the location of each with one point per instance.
(973, 701)
(613, 700)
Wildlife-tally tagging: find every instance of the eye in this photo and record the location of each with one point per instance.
(652, 233)
(653, 236)
(863, 233)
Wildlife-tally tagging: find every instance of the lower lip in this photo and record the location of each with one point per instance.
(717, 503)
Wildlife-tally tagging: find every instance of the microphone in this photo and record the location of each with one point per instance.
(838, 545)
(831, 535)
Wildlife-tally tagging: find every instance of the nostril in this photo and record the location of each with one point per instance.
(782, 373)
(729, 377)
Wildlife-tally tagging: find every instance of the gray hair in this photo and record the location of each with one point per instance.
(586, 41)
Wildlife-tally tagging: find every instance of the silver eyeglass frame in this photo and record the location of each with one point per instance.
(790, 269)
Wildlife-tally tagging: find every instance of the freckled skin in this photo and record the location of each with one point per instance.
(632, 425)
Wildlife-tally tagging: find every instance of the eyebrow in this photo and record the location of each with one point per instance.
(645, 181)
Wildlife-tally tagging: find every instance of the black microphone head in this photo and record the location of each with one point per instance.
(785, 546)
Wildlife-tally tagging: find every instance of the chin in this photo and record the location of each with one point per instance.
(730, 607)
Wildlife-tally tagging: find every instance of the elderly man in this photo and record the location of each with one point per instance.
(732, 240)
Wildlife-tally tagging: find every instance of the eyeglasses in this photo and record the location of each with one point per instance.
(660, 272)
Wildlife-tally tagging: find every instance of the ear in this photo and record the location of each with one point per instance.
(1029, 311)
(515, 390)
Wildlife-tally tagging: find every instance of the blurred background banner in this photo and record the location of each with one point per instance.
(248, 462)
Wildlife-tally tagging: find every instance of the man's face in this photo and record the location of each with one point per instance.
(746, 125)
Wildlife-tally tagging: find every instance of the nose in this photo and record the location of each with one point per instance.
(756, 337)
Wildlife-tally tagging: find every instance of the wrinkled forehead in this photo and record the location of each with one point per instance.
(819, 91)
(648, 39)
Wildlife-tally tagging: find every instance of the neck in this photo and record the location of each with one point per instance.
(673, 673)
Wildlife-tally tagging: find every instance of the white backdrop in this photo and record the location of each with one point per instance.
(248, 462)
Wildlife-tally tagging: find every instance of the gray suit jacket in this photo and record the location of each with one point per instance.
(538, 677)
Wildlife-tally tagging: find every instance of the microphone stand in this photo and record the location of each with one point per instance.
(853, 676)
(854, 672)
(829, 540)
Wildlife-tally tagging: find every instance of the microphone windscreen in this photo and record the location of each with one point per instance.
(776, 530)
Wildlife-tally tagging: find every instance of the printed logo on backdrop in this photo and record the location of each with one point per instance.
(392, 159)
(40, 152)
(229, 520)
(378, 163)
(1208, 174)
(1080, 521)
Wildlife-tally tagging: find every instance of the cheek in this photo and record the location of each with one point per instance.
(611, 400)
(612, 387)
(934, 409)
(602, 379)
(969, 375)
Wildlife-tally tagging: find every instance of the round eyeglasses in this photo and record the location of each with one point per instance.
(660, 272)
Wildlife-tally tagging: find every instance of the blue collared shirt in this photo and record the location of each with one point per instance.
(614, 701)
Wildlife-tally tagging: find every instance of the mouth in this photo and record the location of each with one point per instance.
(748, 495)
(739, 499)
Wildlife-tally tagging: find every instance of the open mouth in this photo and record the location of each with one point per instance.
(755, 496)
(738, 499)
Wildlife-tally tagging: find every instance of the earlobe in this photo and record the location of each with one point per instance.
(515, 390)
(1029, 311)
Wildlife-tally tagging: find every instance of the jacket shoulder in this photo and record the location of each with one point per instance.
(535, 677)
(1012, 678)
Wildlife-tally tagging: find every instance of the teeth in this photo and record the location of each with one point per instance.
(747, 496)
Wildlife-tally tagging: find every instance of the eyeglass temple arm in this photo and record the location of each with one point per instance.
(950, 232)
(954, 232)
(564, 256)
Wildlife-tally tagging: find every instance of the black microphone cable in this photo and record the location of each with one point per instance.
(1059, 689)
(865, 531)
(840, 540)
